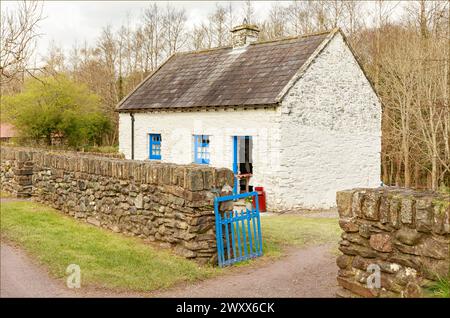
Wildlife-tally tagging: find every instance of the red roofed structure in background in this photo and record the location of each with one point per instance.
(7, 131)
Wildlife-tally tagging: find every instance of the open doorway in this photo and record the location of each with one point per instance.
(242, 163)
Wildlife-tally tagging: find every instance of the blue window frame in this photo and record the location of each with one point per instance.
(155, 146)
(201, 149)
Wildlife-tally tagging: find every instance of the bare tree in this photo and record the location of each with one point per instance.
(299, 17)
(55, 61)
(219, 26)
(174, 21)
(276, 24)
(353, 14)
(249, 12)
(153, 30)
(200, 38)
(19, 31)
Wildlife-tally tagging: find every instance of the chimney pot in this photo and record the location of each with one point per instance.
(244, 34)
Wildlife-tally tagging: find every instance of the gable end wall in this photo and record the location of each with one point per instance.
(330, 131)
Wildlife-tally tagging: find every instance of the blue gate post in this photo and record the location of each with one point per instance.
(219, 239)
(235, 164)
(259, 224)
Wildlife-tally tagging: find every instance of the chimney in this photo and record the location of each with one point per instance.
(243, 35)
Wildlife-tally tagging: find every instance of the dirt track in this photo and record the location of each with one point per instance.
(22, 278)
(309, 272)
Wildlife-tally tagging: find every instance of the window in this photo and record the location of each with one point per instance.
(201, 149)
(155, 146)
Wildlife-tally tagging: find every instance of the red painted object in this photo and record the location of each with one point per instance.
(261, 199)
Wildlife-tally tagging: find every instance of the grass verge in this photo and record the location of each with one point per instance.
(292, 230)
(441, 288)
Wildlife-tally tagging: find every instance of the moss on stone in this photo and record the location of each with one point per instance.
(442, 206)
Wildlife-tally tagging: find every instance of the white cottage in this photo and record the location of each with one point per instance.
(296, 116)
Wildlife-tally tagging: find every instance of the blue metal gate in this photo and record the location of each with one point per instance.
(238, 233)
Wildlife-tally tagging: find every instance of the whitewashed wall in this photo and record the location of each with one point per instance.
(177, 130)
(331, 131)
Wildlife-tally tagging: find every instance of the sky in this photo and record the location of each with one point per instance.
(70, 22)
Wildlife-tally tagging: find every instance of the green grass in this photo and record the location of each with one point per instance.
(441, 288)
(4, 194)
(282, 231)
(106, 259)
(114, 261)
(293, 230)
(102, 149)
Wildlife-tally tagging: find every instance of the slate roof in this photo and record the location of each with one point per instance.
(252, 76)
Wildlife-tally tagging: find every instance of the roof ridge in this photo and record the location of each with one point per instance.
(293, 37)
(287, 38)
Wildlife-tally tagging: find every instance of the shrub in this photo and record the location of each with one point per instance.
(57, 107)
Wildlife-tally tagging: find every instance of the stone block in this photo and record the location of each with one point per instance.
(381, 242)
(364, 230)
(384, 210)
(344, 203)
(93, 221)
(371, 205)
(360, 250)
(407, 210)
(357, 288)
(424, 214)
(394, 211)
(408, 236)
(184, 252)
(434, 269)
(139, 201)
(433, 248)
(357, 203)
(194, 180)
(344, 261)
(441, 216)
(348, 225)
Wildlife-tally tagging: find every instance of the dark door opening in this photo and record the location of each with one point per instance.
(245, 145)
(243, 163)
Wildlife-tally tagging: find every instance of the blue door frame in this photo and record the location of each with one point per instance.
(235, 164)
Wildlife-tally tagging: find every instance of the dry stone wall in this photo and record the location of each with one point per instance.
(167, 203)
(405, 233)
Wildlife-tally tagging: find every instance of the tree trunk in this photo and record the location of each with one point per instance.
(398, 179)
(416, 175)
(434, 173)
(407, 173)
